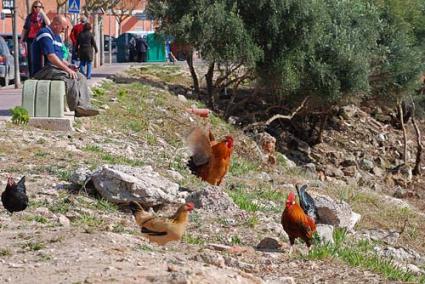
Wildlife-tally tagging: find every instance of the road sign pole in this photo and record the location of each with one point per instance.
(16, 46)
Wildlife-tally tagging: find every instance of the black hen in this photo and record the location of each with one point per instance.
(307, 202)
(15, 198)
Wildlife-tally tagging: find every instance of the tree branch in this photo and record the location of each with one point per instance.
(277, 116)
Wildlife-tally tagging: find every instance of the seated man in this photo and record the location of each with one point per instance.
(48, 46)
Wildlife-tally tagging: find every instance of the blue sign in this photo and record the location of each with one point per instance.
(74, 6)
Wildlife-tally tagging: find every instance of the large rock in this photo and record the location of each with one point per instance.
(213, 199)
(118, 184)
(335, 213)
(326, 233)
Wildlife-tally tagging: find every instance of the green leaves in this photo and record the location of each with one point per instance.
(20, 115)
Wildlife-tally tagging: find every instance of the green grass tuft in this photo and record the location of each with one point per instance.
(20, 115)
(361, 254)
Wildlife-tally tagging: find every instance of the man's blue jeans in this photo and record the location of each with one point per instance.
(83, 66)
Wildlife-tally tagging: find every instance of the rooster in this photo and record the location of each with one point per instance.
(162, 230)
(210, 159)
(295, 221)
(15, 198)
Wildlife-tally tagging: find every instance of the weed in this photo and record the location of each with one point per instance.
(44, 257)
(93, 149)
(193, 240)
(19, 115)
(244, 200)
(40, 154)
(118, 228)
(282, 160)
(235, 240)
(5, 252)
(195, 218)
(89, 221)
(60, 205)
(33, 246)
(360, 254)
(122, 93)
(98, 92)
(35, 203)
(252, 221)
(38, 219)
(241, 167)
(105, 205)
(145, 247)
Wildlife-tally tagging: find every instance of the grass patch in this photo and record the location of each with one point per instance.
(61, 205)
(33, 246)
(193, 240)
(241, 167)
(360, 254)
(145, 247)
(62, 174)
(5, 252)
(244, 200)
(235, 240)
(38, 219)
(112, 159)
(106, 206)
(252, 221)
(88, 221)
(254, 200)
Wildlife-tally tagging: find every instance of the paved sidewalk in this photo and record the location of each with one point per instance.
(11, 97)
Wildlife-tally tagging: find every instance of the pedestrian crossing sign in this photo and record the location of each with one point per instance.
(74, 6)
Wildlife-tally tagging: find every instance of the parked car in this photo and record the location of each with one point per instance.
(23, 63)
(106, 43)
(7, 67)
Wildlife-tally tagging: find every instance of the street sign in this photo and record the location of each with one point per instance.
(8, 4)
(74, 6)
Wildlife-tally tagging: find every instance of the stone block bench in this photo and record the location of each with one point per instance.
(45, 102)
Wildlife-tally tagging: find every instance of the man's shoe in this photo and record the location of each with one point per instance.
(85, 111)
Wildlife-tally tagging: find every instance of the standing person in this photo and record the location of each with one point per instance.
(48, 44)
(132, 49)
(33, 23)
(76, 30)
(85, 46)
(142, 48)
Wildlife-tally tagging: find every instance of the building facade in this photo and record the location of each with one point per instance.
(110, 25)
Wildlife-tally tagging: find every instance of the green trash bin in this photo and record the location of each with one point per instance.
(123, 50)
(156, 51)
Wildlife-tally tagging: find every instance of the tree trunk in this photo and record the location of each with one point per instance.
(323, 119)
(400, 109)
(210, 85)
(95, 29)
(28, 6)
(417, 168)
(189, 60)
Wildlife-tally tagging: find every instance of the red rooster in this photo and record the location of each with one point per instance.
(210, 159)
(296, 222)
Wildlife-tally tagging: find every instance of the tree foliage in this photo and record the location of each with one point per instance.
(330, 49)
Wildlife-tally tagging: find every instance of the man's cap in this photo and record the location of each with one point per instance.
(83, 19)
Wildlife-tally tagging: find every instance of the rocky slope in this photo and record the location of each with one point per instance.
(74, 235)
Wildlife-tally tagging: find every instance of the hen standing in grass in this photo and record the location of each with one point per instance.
(15, 198)
(210, 159)
(295, 222)
(162, 230)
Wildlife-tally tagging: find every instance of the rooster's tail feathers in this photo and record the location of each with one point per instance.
(307, 202)
(192, 166)
(21, 185)
(135, 207)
